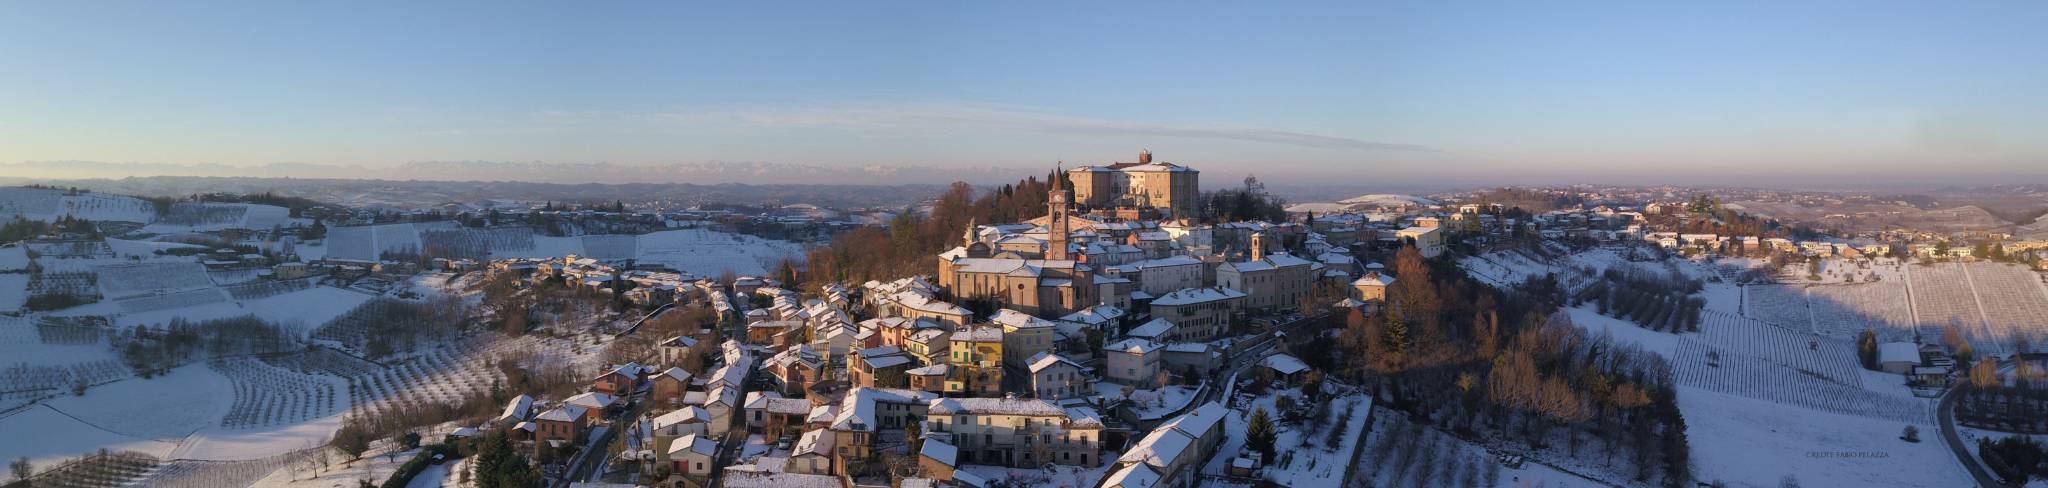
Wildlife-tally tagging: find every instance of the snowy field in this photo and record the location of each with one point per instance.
(179, 403)
(701, 252)
(48, 205)
(368, 242)
(57, 437)
(185, 217)
(1748, 442)
(127, 280)
(13, 291)
(1993, 305)
(1705, 367)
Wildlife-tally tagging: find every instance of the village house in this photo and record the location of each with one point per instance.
(1133, 362)
(669, 386)
(1202, 314)
(1055, 377)
(1269, 282)
(1017, 432)
(975, 360)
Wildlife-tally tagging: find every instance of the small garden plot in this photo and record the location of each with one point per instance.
(2013, 302)
(266, 396)
(1706, 367)
(1780, 305)
(126, 280)
(1832, 359)
(1943, 299)
(167, 301)
(265, 289)
(1844, 311)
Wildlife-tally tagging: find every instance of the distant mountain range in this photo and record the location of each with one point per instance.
(714, 172)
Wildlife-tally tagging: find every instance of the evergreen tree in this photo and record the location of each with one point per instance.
(1260, 434)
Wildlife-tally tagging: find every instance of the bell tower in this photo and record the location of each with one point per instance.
(1059, 203)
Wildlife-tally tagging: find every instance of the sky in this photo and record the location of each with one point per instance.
(1309, 92)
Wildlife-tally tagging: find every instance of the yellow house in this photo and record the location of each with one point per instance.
(976, 357)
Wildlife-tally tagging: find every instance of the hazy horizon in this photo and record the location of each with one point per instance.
(1889, 94)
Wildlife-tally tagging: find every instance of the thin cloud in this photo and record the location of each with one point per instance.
(972, 117)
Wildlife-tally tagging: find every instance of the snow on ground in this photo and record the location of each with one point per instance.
(219, 444)
(376, 466)
(49, 204)
(46, 436)
(702, 252)
(13, 258)
(1460, 462)
(13, 291)
(1623, 331)
(167, 407)
(1300, 457)
(1747, 442)
(148, 249)
(306, 310)
(206, 217)
(707, 253)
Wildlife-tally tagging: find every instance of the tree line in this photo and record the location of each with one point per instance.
(1483, 362)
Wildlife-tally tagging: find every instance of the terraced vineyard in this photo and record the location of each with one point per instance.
(1824, 357)
(1942, 298)
(167, 301)
(1780, 305)
(266, 289)
(131, 279)
(108, 470)
(211, 474)
(2014, 304)
(268, 396)
(1706, 367)
(1843, 311)
(446, 374)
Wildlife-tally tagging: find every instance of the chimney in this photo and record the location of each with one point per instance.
(1258, 246)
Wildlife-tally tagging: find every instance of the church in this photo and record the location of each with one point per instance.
(1056, 283)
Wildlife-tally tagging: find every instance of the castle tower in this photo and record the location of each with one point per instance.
(1145, 156)
(1058, 204)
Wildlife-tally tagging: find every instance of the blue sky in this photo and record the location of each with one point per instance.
(1310, 92)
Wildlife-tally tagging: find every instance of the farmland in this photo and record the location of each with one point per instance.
(1707, 367)
(1994, 306)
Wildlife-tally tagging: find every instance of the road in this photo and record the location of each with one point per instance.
(586, 463)
(1946, 413)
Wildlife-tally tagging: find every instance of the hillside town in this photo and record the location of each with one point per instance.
(1112, 325)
